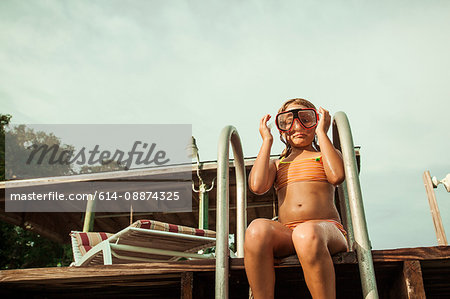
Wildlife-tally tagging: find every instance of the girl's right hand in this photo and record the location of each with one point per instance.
(264, 130)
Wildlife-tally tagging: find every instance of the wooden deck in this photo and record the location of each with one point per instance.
(422, 272)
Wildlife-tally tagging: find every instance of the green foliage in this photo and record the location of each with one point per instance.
(4, 121)
(21, 248)
(17, 148)
(22, 140)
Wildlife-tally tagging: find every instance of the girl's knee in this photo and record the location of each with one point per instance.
(309, 240)
(258, 235)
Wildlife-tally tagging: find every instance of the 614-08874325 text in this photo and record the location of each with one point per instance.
(147, 195)
(135, 195)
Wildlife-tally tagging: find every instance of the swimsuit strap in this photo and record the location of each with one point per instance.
(318, 158)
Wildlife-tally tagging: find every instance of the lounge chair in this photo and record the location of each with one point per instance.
(142, 241)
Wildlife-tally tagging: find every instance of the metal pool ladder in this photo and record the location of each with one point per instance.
(350, 192)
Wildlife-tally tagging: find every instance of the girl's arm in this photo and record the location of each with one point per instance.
(263, 172)
(332, 159)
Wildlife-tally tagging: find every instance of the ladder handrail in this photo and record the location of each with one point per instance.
(229, 134)
(362, 246)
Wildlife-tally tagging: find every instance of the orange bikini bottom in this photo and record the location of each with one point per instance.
(293, 224)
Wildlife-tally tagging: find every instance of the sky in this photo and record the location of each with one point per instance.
(218, 63)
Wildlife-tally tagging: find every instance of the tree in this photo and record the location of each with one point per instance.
(23, 142)
(4, 121)
(18, 148)
(20, 247)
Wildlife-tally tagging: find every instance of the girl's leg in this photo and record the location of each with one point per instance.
(265, 239)
(315, 241)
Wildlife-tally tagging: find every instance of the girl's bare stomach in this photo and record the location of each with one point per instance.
(306, 201)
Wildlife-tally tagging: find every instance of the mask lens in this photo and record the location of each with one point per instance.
(307, 118)
(284, 121)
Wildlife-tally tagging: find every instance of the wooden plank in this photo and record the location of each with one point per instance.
(209, 166)
(435, 214)
(290, 261)
(417, 253)
(141, 280)
(105, 272)
(131, 271)
(390, 255)
(409, 282)
(436, 278)
(187, 282)
(340, 258)
(99, 176)
(413, 278)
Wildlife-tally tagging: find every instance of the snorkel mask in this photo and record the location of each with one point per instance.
(308, 118)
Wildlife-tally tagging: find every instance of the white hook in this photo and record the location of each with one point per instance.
(445, 181)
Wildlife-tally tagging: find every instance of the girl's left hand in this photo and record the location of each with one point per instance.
(324, 121)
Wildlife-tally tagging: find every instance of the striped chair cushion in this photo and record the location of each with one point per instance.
(162, 226)
(86, 241)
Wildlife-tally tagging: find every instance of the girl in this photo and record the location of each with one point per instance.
(308, 222)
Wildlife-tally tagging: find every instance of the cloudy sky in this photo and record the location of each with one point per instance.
(215, 63)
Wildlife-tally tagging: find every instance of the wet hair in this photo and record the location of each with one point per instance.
(302, 102)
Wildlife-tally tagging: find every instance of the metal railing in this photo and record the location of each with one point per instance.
(342, 138)
(229, 134)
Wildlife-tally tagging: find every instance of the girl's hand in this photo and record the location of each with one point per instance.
(264, 130)
(324, 121)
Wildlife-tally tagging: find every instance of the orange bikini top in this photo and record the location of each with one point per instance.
(309, 169)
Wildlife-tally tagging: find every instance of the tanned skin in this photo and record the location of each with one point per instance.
(315, 240)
